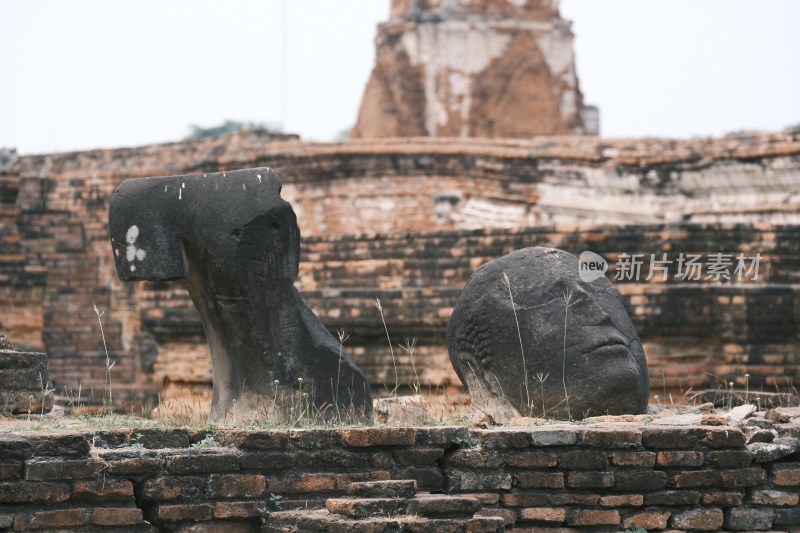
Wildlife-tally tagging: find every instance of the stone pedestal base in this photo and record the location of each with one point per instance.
(24, 382)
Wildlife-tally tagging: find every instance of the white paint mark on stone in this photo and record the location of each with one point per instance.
(165, 188)
(133, 268)
(259, 178)
(132, 234)
(116, 252)
(132, 253)
(180, 192)
(183, 185)
(243, 187)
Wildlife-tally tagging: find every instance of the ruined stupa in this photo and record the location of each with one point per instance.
(474, 68)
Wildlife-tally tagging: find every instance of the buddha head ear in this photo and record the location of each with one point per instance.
(144, 239)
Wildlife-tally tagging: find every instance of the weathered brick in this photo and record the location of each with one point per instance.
(723, 499)
(524, 499)
(553, 437)
(434, 505)
(694, 478)
(550, 515)
(102, 490)
(639, 480)
(531, 459)
(316, 439)
(383, 459)
(582, 460)
(486, 498)
(442, 437)
(726, 437)
(587, 479)
(58, 444)
(475, 459)
(458, 481)
(255, 440)
(785, 474)
(787, 517)
(14, 448)
(418, 456)
(128, 467)
(61, 469)
(587, 517)
(538, 528)
(116, 516)
(749, 519)
(509, 516)
(729, 458)
(611, 438)
(384, 489)
(427, 477)
(539, 480)
(243, 509)
(668, 438)
(643, 459)
(365, 507)
(648, 519)
(343, 482)
(672, 497)
(58, 518)
(573, 498)
(744, 477)
(267, 461)
(331, 459)
(707, 519)
(362, 437)
(202, 461)
(301, 483)
(502, 439)
(622, 500)
(195, 512)
(159, 438)
(33, 492)
(236, 486)
(131, 462)
(775, 498)
(679, 458)
(172, 487)
(484, 524)
(10, 471)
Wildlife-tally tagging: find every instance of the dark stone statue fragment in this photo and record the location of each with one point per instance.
(237, 244)
(528, 337)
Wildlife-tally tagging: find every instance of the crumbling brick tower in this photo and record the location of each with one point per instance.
(474, 68)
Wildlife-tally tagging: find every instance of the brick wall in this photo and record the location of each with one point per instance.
(576, 477)
(407, 221)
(691, 330)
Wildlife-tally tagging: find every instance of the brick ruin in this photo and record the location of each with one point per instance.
(474, 68)
(406, 222)
(565, 478)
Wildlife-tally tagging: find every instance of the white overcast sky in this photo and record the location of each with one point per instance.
(80, 74)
